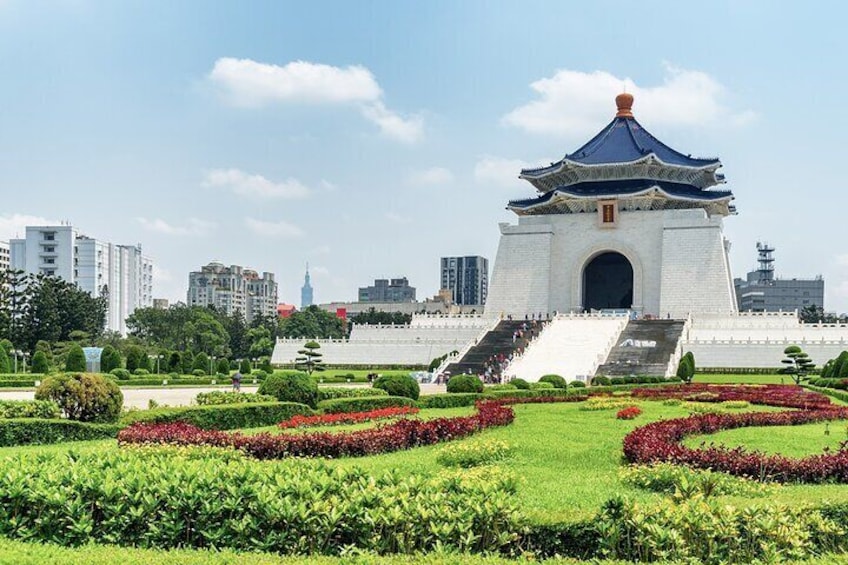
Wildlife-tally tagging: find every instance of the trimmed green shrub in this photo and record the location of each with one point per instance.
(450, 400)
(520, 384)
(507, 386)
(175, 362)
(601, 380)
(198, 372)
(110, 359)
(555, 380)
(40, 363)
(223, 367)
(201, 361)
(217, 397)
(291, 387)
(265, 365)
(223, 416)
(136, 358)
(186, 362)
(29, 409)
(244, 367)
(120, 374)
(5, 363)
(75, 361)
(141, 372)
(399, 385)
(474, 453)
(85, 397)
(258, 374)
(577, 384)
(541, 386)
(345, 405)
(465, 383)
(36, 431)
(330, 393)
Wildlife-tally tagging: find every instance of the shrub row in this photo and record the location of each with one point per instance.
(29, 409)
(602, 380)
(221, 417)
(334, 419)
(330, 393)
(161, 498)
(660, 442)
(787, 396)
(217, 397)
(403, 434)
(364, 404)
(36, 431)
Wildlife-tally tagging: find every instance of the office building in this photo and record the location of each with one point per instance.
(467, 279)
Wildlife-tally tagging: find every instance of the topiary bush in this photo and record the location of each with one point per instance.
(577, 384)
(84, 396)
(75, 361)
(399, 385)
(556, 380)
(141, 372)
(291, 387)
(223, 367)
(601, 380)
(465, 383)
(198, 372)
(110, 359)
(520, 384)
(120, 374)
(40, 363)
(541, 386)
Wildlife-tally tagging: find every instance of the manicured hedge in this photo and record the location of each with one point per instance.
(555, 380)
(450, 400)
(465, 383)
(36, 431)
(222, 417)
(363, 404)
(218, 397)
(399, 385)
(29, 409)
(329, 393)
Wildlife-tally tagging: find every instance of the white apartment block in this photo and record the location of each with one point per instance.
(233, 289)
(4, 255)
(121, 272)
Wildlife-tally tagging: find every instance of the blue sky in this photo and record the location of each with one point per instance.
(371, 138)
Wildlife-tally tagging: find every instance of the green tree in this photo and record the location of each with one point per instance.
(265, 365)
(44, 347)
(223, 366)
(175, 362)
(311, 322)
(109, 359)
(201, 362)
(686, 367)
(75, 361)
(310, 359)
(244, 367)
(840, 361)
(261, 344)
(187, 362)
(5, 363)
(798, 364)
(136, 358)
(7, 346)
(40, 363)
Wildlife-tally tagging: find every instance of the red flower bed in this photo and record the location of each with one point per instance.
(403, 434)
(788, 396)
(300, 421)
(628, 413)
(660, 441)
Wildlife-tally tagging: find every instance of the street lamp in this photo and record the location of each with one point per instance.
(212, 362)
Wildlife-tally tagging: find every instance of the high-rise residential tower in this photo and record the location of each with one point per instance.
(467, 278)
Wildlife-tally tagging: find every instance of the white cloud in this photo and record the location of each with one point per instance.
(248, 83)
(273, 229)
(391, 124)
(503, 172)
(14, 225)
(573, 103)
(192, 226)
(430, 177)
(397, 218)
(246, 184)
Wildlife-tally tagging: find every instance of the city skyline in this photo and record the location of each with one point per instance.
(233, 134)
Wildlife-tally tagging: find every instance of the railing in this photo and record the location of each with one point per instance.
(516, 356)
(602, 357)
(453, 358)
(671, 369)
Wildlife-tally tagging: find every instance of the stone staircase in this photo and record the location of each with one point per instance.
(644, 348)
(496, 341)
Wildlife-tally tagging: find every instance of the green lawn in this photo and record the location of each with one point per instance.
(792, 441)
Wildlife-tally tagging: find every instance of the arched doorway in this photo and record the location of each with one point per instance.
(608, 282)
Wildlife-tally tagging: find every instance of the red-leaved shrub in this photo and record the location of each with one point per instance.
(300, 421)
(628, 413)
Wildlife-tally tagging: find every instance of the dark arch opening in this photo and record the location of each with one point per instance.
(608, 282)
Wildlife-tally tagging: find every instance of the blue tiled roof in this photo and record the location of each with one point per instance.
(624, 187)
(624, 140)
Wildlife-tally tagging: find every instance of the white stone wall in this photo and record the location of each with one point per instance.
(678, 258)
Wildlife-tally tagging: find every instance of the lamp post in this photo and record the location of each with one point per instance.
(15, 353)
(211, 363)
(25, 355)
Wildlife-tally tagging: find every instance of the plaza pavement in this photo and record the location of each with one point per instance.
(140, 397)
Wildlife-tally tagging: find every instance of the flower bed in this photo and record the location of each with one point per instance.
(403, 434)
(786, 396)
(628, 413)
(300, 421)
(660, 442)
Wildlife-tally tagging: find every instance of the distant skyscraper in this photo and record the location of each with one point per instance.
(467, 278)
(306, 291)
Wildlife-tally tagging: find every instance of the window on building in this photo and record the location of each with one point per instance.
(608, 213)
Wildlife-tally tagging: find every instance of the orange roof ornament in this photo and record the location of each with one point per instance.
(624, 102)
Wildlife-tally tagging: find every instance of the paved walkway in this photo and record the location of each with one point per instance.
(141, 397)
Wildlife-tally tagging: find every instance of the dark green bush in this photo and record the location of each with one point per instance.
(34, 431)
(223, 416)
(201, 362)
(363, 404)
(75, 361)
(541, 386)
(244, 367)
(329, 393)
(141, 372)
(223, 366)
(577, 384)
(120, 374)
(291, 387)
(399, 385)
(617, 381)
(40, 363)
(556, 380)
(110, 359)
(451, 400)
(465, 383)
(85, 397)
(520, 384)
(5, 362)
(601, 380)
(29, 409)
(258, 374)
(198, 372)
(217, 397)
